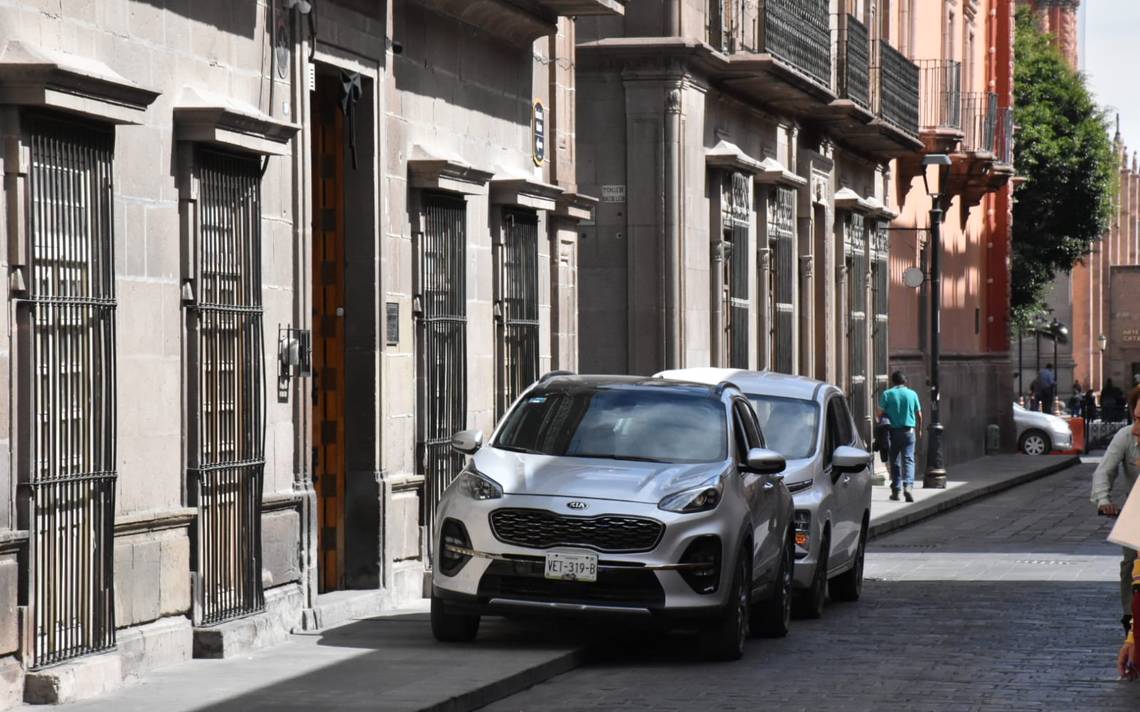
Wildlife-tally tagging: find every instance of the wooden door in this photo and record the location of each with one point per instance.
(328, 331)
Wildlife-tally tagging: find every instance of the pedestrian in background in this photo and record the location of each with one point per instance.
(1046, 388)
(1077, 401)
(901, 407)
(1123, 453)
(1112, 402)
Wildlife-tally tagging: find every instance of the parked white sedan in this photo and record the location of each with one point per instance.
(1040, 433)
(828, 473)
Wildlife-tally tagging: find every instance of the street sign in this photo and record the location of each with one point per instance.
(538, 132)
(613, 193)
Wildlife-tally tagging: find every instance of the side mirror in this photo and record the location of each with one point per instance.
(765, 462)
(467, 442)
(850, 459)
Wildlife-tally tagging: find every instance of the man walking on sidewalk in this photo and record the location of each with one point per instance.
(900, 405)
(1123, 453)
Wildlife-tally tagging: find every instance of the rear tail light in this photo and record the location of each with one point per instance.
(453, 543)
(704, 550)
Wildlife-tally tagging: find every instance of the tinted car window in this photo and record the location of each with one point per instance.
(621, 424)
(789, 424)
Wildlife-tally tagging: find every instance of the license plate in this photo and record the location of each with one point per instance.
(562, 566)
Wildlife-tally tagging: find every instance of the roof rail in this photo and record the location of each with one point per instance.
(723, 385)
(554, 374)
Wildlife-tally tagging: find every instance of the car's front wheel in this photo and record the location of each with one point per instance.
(450, 627)
(773, 617)
(809, 603)
(848, 586)
(1035, 442)
(725, 641)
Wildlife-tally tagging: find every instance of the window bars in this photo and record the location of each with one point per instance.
(941, 91)
(735, 221)
(517, 306)
(782, 231)
(880, 290)
(855, 240)
(67, 341)
(226, 389)
(442, 345)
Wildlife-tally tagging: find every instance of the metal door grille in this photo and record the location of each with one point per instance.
(781, 229)
(226, 379)
(880, 287)
(68, 458)
(736, 221)
(856, 245)
(517, 306)
(442, 303)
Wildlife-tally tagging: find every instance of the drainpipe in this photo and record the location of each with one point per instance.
(671, 328)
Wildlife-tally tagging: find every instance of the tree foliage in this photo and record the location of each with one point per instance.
(1068, 164)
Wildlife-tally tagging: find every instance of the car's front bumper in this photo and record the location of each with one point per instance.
(501, 577)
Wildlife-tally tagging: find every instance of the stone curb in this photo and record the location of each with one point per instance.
(499, 689)
(932, 507)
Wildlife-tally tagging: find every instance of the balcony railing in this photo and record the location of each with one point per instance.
(1003, 138)
(797, 32)
(895, 92)
(854, 63)
(979, 121)
(940, 85)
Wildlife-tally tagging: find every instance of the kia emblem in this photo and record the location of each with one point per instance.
(577, 505)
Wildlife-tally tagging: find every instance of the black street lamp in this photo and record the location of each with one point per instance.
(936, 168)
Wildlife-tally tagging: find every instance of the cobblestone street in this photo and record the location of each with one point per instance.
(1010, 603)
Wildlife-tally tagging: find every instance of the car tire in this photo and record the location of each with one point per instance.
(848, 586)
(809, 603)
(448, 627)
(725, 640)
(772, 618)
(1035, 442)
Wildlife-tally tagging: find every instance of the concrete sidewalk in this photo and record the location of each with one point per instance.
(391, 662)
(388, 662)
(966, 482)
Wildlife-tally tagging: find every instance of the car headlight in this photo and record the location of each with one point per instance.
(697, 499)
(476, 485)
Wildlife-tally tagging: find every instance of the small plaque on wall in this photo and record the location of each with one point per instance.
(393, 323)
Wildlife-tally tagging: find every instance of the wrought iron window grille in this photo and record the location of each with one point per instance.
(225, 370)
(67, 387)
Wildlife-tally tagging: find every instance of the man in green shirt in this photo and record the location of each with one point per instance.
(901, 407)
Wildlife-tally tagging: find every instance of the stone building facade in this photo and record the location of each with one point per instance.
(262, 259)
(965, 50)
(742, 156)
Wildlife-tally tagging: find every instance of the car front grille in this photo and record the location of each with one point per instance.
(540, 529)
(522, 579)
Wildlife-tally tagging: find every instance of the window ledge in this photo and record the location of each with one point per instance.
(772, 172)
(218, 120)
(55, 80)
(576, 206)
(431, 170)
(729, 155)
(525, 192)
(847, 199)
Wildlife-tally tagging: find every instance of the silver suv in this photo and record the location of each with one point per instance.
(620, 497)
(828, 474)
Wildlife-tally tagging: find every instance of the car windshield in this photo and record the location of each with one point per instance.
(619, 424)
(789, 424)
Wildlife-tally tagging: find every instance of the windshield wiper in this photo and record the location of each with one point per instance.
(634, 458)
(515, 448)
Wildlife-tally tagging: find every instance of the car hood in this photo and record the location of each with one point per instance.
(591, 478)
(1041, 420)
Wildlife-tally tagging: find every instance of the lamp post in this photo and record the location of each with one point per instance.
(935, 167)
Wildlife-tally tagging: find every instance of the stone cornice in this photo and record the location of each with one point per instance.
(210, 119)
(524, 192)
(433, 170)
(576, 206)
(154, 520)
(30, 76)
